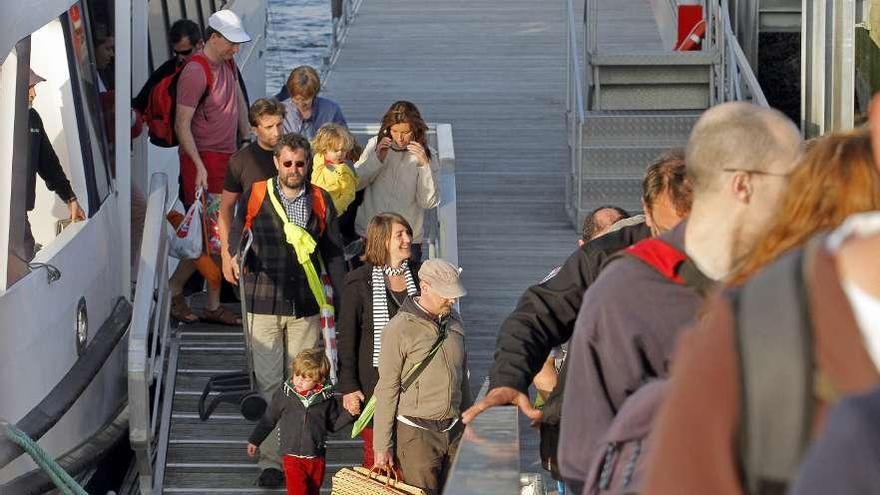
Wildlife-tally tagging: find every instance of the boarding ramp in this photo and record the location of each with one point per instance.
(631, 96)
(177, 452)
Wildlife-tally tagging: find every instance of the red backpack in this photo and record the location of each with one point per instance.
(162, 105)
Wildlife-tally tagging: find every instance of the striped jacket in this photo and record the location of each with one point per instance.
(274, 283)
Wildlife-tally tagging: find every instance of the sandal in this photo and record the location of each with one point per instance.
(180, 310)
(221, 315)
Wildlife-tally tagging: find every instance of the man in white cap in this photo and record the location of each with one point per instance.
(423, 381)
(42, 160)
(211, 111)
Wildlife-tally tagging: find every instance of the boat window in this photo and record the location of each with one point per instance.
(49, 185)
(91, 44)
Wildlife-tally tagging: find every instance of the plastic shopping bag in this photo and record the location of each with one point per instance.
(185, 238)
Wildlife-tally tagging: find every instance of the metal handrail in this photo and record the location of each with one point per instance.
(342, 14)
(575, 101)
(149, 335)
(488, 459)
(734, 78)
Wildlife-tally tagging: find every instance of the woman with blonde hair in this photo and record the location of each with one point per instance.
(835, 179)
(371, 296)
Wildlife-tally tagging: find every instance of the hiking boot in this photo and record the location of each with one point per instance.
(271, 478)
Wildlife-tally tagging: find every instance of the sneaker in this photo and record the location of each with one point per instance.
(271, 478)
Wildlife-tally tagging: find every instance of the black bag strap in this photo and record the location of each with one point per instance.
(774, 338)
(414, 373)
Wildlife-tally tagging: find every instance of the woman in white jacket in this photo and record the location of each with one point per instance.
(398, 172)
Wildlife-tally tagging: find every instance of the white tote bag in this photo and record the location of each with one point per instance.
(185, 242)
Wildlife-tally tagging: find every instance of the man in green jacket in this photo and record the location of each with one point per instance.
(423, 414)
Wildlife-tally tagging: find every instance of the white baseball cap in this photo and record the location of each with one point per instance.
(227, 23)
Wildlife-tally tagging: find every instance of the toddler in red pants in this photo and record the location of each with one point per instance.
(304, 409)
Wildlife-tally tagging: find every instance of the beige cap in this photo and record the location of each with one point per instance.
(443, 277)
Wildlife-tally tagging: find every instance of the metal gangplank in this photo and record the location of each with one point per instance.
(631, 96)
(177, 452)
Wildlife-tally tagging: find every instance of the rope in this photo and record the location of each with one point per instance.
(63, 481)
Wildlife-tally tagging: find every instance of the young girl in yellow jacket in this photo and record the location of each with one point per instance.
(331, 146)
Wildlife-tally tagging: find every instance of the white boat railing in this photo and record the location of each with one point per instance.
(342, 13)
(149, 336)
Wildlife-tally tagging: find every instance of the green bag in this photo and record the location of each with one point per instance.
(370, 409)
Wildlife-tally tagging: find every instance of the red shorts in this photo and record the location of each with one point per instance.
(304, 476)
(215, 163)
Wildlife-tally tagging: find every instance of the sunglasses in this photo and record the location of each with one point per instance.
(291, 163)
(183, 53)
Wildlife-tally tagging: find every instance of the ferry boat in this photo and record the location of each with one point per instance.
(65, 311)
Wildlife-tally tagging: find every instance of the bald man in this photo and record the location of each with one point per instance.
(739, 157)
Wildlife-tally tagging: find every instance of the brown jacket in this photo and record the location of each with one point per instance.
(441, 390)
(694, 449)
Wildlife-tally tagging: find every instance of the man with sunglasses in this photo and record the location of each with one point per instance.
(295, 237)
(185, 38)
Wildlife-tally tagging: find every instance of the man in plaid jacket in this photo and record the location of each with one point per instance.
(283, 314)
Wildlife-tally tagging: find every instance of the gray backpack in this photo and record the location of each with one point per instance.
(775, 350)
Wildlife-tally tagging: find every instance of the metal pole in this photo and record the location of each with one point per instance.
(828, 66)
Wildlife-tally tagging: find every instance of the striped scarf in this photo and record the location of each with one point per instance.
(380, 301)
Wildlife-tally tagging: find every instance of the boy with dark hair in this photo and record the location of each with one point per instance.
(306, 410)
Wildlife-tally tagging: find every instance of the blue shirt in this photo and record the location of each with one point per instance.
(323, 112)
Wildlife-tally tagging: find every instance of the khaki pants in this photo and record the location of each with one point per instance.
(429, 455)
(275, 341)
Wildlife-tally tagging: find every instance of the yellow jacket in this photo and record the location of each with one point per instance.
(340, 182)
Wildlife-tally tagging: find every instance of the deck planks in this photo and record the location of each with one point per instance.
(496, 72)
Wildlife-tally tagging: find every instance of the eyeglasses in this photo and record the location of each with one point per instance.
(184, 53)
(756, 172)
(291, 163)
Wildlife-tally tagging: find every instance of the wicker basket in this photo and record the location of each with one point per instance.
(362, 481)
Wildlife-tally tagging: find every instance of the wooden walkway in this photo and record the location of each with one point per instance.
(496, 72)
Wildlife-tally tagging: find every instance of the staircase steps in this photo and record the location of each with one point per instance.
(209, 457)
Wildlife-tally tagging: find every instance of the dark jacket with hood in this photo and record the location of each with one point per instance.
(544, 316)
(303, 421)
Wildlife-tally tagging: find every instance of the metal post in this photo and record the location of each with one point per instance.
(828, 67)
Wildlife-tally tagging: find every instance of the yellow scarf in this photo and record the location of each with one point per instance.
(303, 245)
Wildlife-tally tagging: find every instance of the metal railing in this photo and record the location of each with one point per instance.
(441, 223)
(487, 461)
(575, 105)
(149, 337)
(734, 78)
(342, 13)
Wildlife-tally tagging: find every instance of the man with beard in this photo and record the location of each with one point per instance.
(295, 236)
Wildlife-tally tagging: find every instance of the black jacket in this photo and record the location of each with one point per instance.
(303, 421)
(275, 283)
(354, 330)
(42, 160)
(544, 316)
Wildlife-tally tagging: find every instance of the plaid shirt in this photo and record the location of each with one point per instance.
(298, 209)
(274, 282)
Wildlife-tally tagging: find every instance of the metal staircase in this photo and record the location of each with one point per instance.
(632, 98)
(205, 457)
